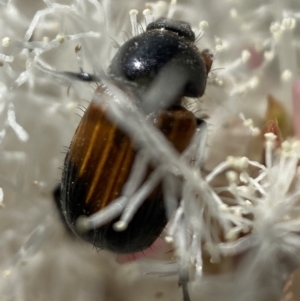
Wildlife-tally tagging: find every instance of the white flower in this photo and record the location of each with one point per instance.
(255, 46)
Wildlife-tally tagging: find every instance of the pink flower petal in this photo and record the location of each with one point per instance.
(256, 58)
(159, 248)
(296, 108)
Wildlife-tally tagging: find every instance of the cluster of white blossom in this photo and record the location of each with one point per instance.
(236, 229)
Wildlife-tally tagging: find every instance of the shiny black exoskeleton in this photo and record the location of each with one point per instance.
(166, 53)
(167, 49)
(166, 46)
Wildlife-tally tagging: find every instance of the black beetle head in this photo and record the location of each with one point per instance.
(183, 29)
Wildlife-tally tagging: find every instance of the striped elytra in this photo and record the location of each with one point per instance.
(101, 155)
(97, 166)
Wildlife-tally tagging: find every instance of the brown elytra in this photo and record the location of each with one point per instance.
(98, 165)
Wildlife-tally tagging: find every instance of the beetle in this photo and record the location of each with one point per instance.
(101, 154)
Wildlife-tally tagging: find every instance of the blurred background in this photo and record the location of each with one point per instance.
(256, 68)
